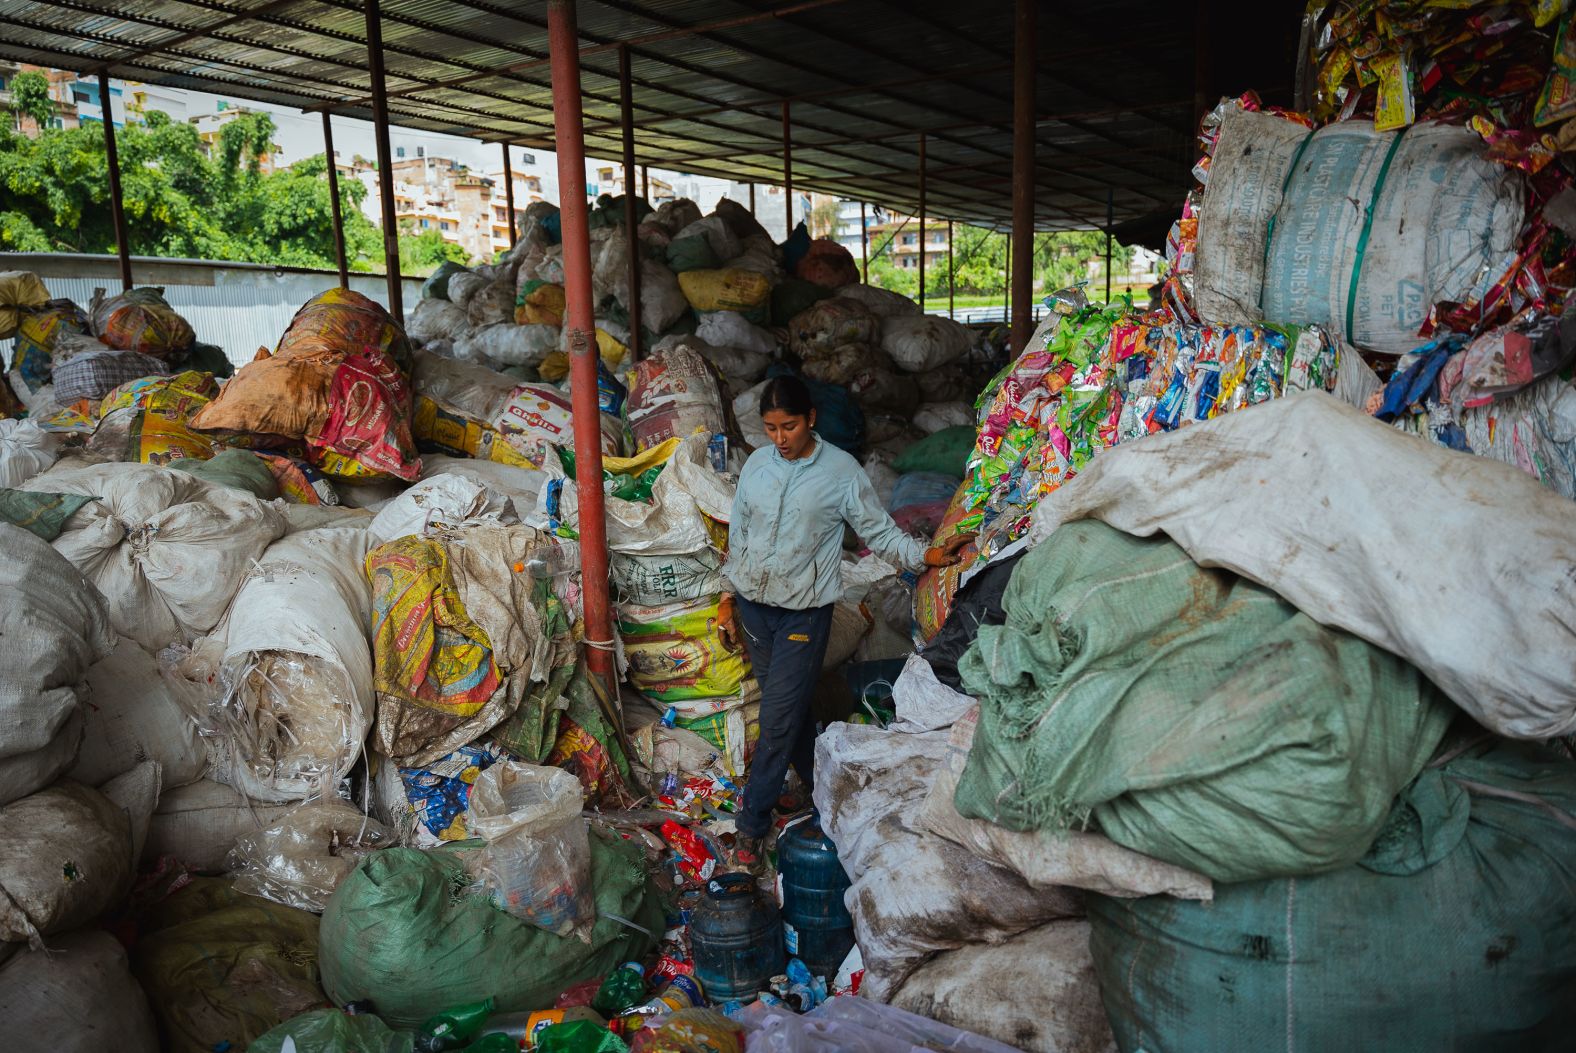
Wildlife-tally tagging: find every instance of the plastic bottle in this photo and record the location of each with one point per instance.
(809, 989)
(523, 1028)
(625, 987)
(579, 1036)
(453, 1028)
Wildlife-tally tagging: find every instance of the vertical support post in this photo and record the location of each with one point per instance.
(563, 46)
(952, 278)
(787, 172)
(922, 231)
(1110, 220)
(117, 204)
(645, 182)
(380, 131)
(864, 244)
(333, 199)
(1023, 171)
(1006, 294)
(508, 195)
(626, 109)
(752, 199)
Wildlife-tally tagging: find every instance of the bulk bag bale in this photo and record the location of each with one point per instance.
(1108, 636)
(342, 322)
(462, 286)
(149, 420)
(238, 469)
(1356, 230)
(1453, 932)
(199, 824)
(41, 333)
(702, 245)
(366, 433)
(537, 417)
(831, 324)
(882, 302)
(166, 549)
(25, 450)
(507, 344)
(397, 932)
(827, 264)
(945, 452)
(919, 343)
(437, 319)
(732, 329)
(493, 303)
(656, 580)
(75, 996)
(65, 858)
(1277, 464)
(19, 290)
(301, 858)
(131, 715)
(55, 625)
(436, 287)
(675, 653)
(539, 303)
(727, 290)
(736, 365)
(938, 416)
(142, 320)
(89, 377)
(672, 394)
(222, 968)
(284, 687)
(792, 296)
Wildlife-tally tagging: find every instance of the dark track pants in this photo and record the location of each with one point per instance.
(786, 649)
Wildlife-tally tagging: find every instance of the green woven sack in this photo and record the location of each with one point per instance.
(793, 295)
(1190, 714)
(693, 253)
(945, 452)
(333, 1031)
(403, 931)
(237, 469)
(1457, 932)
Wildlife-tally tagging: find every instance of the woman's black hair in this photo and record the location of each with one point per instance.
(787, 393)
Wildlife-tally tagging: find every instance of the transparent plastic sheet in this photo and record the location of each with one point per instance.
(301, 858)
(537, 863)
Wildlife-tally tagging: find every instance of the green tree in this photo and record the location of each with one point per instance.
(420, 254)
(823, 218)
(30, 98)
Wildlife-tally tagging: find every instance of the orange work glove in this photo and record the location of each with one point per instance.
(727, 622)
(945, 555)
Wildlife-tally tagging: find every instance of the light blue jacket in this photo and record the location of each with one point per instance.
(785, 536)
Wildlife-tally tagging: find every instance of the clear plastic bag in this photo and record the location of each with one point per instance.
(537, 863)
(302, 857)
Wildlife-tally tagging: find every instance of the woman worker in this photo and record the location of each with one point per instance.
(785, 544)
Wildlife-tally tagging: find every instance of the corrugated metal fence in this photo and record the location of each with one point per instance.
(238, 306)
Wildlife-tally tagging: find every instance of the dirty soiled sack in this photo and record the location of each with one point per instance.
(285, 685)
(145, 324)
(76, 996)
(1109, 637)
(165, 548)
(675, 653)
(1454, 932)
(437, 319)
(827, 264)
(914, 895)
(402, 931)
(25, 450)
(919, 343)
(130, 715)
(732, 329)
(727, 289)
(655, 580)
(222, 968)
(830, 324)
(1036, 991)
(883, 302)
(301, 858)
(1333, 556)
(55, 626)
(65, 858)
(673, 394)
(19, 290)
(199, 824)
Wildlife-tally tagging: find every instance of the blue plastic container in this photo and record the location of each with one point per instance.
(817, 928)
(736, 936)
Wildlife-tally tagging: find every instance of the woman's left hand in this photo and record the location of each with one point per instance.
(947, 554)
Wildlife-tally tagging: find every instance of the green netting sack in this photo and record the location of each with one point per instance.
(1190, 714)
(404, 932)
(1457, 932)
(945, 452)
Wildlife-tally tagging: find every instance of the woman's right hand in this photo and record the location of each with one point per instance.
(945, 555)
(727, 622)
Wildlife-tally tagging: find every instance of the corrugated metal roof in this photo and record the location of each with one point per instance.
(1115, 87)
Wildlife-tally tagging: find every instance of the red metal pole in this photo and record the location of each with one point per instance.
(787, 172)
(333, 199)
(508, 195)
(626, 109)
(380, 131)
(117, 205)
(580, 324)
(1022, 268)
(864, 244)
(922, 231)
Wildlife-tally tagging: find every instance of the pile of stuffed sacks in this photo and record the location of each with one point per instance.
(312, 643)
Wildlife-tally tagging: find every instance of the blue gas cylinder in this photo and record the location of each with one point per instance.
(736, 937)
(816, 926)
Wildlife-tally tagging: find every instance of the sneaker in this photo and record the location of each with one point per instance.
(749, 854)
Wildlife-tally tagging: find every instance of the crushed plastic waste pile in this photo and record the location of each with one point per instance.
(1258, 664)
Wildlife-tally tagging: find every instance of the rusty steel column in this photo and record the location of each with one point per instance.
(952, 277)
(333, 199)
(1110, 220)
(1023, 172)
(117, 206)
(580, 327)
(921, 222)
(380, 131)
(864, 244)
(1006, 294)
(752, 199)
(508, 196)
(645, 183)
(626, 109)
(787, 173)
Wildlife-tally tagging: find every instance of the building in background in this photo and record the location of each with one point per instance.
(59, 93)
(897, 238)
(527, 190)
(609, 179)
(209, 127)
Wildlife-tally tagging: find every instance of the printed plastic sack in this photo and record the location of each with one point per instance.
(143, 323)
(727, 290)
(537, 862)
(675, 654)
(302, 857)
(368, 422)
(19, 290)
(1359, 231)
(673, 394)
(534, 419)
(149, 420)
(828, 264)
(426, 805)
(342, 322)
(39, 333)
(656, 580)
